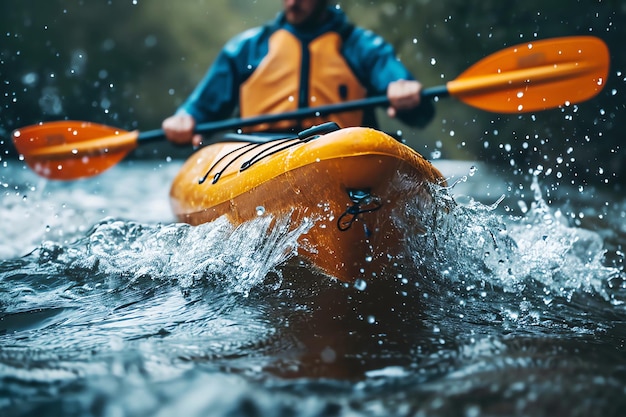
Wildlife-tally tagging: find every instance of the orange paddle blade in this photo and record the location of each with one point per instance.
(68, 150)
(536, 75)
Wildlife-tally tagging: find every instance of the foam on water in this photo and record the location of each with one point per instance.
(40, 210)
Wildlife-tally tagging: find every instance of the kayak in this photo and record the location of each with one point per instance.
(349, 182)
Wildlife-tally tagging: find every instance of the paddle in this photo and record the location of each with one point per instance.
(533, 76)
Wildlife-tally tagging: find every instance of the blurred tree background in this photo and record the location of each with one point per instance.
(130, 63)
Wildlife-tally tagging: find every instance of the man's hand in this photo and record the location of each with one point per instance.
(179, 129)
(403, 95)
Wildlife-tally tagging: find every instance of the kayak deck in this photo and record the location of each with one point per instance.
(350, 182)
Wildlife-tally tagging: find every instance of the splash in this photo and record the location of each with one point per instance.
(132, 296)
(238, 258)
(474, 245)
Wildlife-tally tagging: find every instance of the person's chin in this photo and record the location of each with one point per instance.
(295, 19)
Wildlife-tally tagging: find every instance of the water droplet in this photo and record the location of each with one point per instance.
(523, 206)
(360, 284)
(260, 210)
(150, 41)
(328, 355)
(30, 79)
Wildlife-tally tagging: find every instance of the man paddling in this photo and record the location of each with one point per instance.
(309, 56)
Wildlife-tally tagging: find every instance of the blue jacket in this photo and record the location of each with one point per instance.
(336, 61)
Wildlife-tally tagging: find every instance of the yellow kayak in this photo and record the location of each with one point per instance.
(349, 182)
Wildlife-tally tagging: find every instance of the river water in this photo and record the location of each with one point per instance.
(504, 307)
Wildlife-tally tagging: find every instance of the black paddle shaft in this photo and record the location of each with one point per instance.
(221, 125)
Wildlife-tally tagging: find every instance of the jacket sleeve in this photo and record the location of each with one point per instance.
(376, 64)
(216, 96)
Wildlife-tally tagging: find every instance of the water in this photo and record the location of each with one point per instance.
(109, 308)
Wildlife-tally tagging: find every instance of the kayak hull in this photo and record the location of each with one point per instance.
(351, 184)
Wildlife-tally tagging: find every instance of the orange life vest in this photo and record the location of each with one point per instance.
(294, 75)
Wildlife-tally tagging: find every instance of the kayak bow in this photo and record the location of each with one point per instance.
(351, 183)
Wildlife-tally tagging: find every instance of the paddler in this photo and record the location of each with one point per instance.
(310, 55)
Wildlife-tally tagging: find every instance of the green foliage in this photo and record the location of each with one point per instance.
(126, 63)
